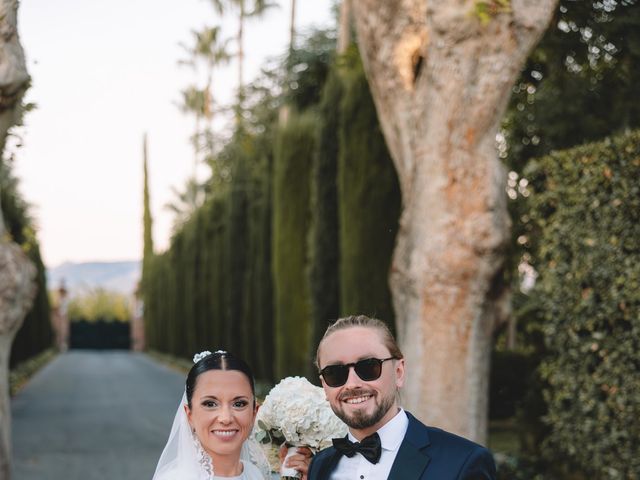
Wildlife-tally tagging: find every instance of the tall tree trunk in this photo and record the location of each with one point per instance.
(17, 273)
(292, 27)
(344, 27)
(241, 20)
(441, 80)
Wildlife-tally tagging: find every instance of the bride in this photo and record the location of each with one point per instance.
(211, 433)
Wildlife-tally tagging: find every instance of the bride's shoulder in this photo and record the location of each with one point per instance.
(169, 474)
(252, 472)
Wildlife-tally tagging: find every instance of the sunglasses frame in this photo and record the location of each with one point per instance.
(355, 365)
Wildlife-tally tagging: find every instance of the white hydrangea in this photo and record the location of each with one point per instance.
(297, 412)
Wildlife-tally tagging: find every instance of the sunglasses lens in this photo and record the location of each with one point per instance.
(369, 369)
(335, 375)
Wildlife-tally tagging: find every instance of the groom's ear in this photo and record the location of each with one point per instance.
(399, 370)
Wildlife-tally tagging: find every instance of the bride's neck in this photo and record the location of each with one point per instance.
(226, 465)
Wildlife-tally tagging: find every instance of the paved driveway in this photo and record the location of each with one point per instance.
(92, 415)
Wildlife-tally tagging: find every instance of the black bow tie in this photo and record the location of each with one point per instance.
(369, 448)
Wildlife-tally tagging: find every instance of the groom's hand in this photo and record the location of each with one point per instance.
(300, 461)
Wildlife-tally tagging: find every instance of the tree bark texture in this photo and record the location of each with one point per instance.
(441, 80)
(17, 273)
(344, 27)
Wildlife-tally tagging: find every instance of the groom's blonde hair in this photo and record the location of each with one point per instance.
(367, 322)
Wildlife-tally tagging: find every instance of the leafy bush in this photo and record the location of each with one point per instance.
(587, 217)
(100, 305)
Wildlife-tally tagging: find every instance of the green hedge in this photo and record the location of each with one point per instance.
(586, 213)
(257, 270)
(369, 201)
(323, 242)
(36, 334)
(212, 288)
(291, 214)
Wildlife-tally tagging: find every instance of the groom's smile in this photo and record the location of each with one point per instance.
(356, 397)
(357, 400)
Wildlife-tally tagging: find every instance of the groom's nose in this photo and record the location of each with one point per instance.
(352, 378)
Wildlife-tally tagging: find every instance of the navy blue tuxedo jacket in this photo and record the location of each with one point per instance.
(426, 453)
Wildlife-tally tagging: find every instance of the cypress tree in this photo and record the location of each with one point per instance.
(324, 249)
(263, 279)
(237, 258)
(147, 254)
(369, 201)
(147, 219)
(292, 165)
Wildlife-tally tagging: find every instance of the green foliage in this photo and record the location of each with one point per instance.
(257, 318)
(369, 201)
(323, 241)
(98, 305)
(586, 214)
(580, 82)
(484, 10)
(35, 335)
(255, 268)
(307, 69)
(212, 288)
(147, 218)
(294, 151)
(511, 467)
(578, 85)
(510, 372)
(22, 372)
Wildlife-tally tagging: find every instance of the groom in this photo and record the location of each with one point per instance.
(362, 369)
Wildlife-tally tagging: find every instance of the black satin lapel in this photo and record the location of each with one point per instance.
(409, 463)
(324, 473)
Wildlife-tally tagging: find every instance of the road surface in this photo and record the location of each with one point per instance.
(94, 415)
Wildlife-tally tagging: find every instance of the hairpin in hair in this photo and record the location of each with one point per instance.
(199, 356)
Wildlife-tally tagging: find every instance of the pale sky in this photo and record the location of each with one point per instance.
(103, 73)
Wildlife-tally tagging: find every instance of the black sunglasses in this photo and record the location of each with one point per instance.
(368, 370)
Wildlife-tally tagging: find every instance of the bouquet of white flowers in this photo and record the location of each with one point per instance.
(297, 413)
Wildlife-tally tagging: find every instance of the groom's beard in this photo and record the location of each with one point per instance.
(360, 419)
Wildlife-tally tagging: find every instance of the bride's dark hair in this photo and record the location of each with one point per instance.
(217, 361)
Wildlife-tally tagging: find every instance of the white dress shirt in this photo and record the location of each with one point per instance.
(359, 468)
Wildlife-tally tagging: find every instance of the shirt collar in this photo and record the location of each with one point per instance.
(391, 433)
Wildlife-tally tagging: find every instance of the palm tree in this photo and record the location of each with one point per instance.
(210, 49)
(246, 9)
(292, 27)
(193, 101)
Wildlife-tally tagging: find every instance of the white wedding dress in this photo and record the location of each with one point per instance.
(183, 458)
(250, 472)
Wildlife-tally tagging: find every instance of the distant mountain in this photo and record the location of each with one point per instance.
(120, 277)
